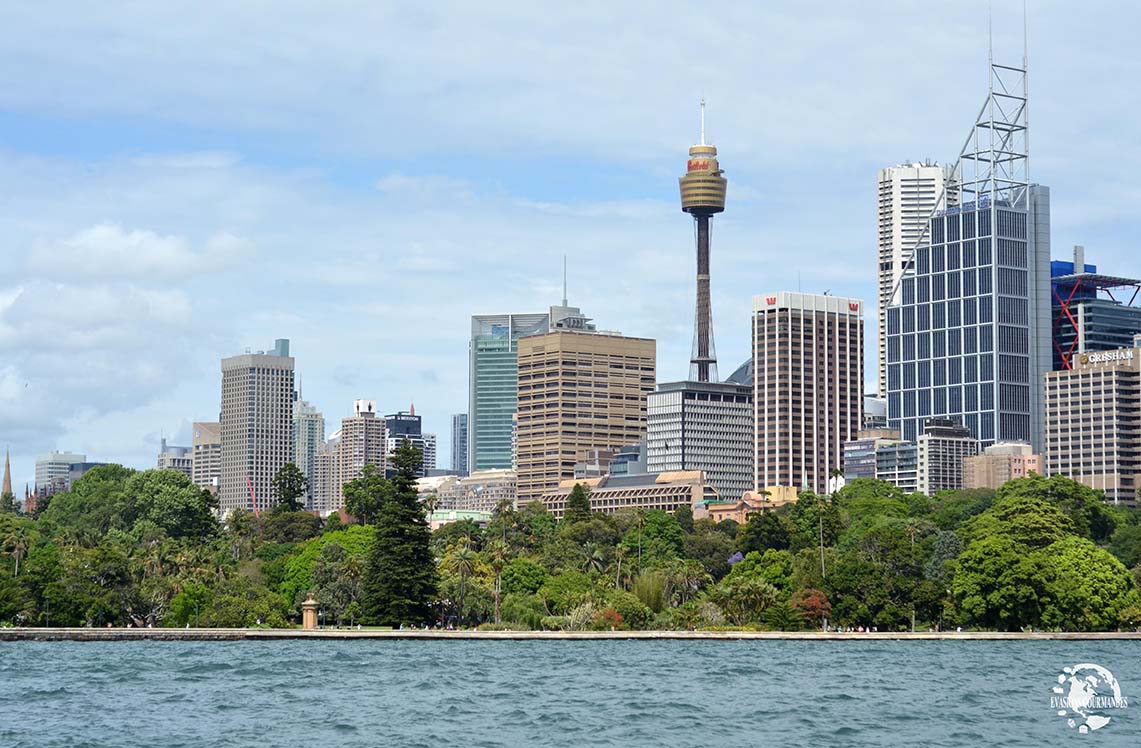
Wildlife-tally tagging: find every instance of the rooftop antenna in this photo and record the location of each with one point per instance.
(703, 120)
(564, 280)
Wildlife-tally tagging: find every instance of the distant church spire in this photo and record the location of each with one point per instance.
(7, 487)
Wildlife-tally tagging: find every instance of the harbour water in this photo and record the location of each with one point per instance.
(563, 693)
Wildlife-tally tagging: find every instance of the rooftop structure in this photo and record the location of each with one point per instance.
(610, 494)
(1092, 311)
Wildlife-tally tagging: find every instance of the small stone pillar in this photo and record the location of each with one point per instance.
(309, 613)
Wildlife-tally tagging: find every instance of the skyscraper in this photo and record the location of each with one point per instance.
(206, 448)
(492, 384)
(942, 447)
(968, 336)
(907, 195)
(578, 390)
(705, 426)
(808, 374)
(257, 426)
(362, 442)
(1092, 311)
(308, 433)
(459, 444)
(702, 196)
(53, 470)
(407, 426)
(171, 457)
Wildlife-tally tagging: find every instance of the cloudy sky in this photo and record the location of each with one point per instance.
(179, 183)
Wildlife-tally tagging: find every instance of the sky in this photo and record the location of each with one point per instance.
(180, 182)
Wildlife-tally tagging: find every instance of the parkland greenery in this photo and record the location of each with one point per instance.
(145, 549)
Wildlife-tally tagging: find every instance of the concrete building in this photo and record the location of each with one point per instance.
(808, 390)
(906, 196)
(459, 462)
(1093, 422)
(53, 469)
(578, 390)
(1000, 463)
(875, 413)
(942, 447)
(703, 426)
(206, 455)
(171, 457)
(881, 454)
(1092, 311)
(482, 491)
(308, 435)
(493, 382)
(363, 441)
(257, 426)
(406, 425)
(326, 486)
(611, 494)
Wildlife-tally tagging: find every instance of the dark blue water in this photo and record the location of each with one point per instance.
(529, 693)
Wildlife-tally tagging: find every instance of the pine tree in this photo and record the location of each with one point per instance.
(400, 578)
(578, 505)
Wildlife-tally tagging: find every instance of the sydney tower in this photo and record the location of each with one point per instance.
(702, 195)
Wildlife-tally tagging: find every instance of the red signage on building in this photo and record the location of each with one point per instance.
(772, 300)
(696, 164)
(854, 306)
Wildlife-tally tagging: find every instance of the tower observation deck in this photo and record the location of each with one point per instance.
(702, 195)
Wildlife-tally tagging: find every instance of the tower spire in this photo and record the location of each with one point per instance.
(6, 489)
(702, 120)
(564, 280)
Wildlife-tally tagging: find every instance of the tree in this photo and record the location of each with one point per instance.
(744, 599)
(290, 486)
(594, 560)
(1086, 588)
(764, 530)
(813, 604)
(462, 562)
(366, 494)
(400, 577)
(8, 503)
(497, 555)
(523, 576)
(578, 505)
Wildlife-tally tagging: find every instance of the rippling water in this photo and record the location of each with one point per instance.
(524, 693)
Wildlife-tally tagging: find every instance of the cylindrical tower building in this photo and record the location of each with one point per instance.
(702, 195)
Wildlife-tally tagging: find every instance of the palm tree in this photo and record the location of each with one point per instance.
(497, 554)
(462, 561)
(16, 542)
(639, 522)
(593, 558)
(619, 554)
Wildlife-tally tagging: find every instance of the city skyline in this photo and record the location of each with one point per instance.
(144, 250)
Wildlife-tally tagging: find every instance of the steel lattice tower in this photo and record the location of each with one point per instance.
(702, 195)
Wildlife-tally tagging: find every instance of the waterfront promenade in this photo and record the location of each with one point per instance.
(263, 634)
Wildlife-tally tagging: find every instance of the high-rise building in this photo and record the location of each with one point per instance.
(968, 331)
(257, 426)
(406, 426)
(206, 462)
(875, 413)
(578, 390)
(171, 457)
(493, 382)
(53, 470)
(897, 462)
(1000, 463)
(703, 196)
(1088, 316)
(459, 444)
(328, 494)
(308, 435)
(808, 392)
(704, 426)
(906, 197)
(363, 441)
(1093, 422)
(942, 447)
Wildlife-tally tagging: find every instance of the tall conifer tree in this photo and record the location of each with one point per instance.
(400, 578)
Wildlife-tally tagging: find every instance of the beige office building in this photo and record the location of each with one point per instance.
(257, 426)
(611, 494)
(808, 387)
(999, 463)
(905, 197)
(362, 443)
(578, 390)
(1093, 422)
(206, 455)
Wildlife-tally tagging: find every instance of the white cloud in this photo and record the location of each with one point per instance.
(107, 251)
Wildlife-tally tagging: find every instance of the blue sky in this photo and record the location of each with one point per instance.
(181, 183)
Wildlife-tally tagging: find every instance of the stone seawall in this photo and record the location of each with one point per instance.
(172, 634)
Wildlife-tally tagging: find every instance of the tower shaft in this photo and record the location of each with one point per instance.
(703, 361)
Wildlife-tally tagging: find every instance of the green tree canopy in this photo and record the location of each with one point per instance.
(366, 494)
(290, 486)
(578, 505)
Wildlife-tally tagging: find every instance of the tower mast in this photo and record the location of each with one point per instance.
(702, 195)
